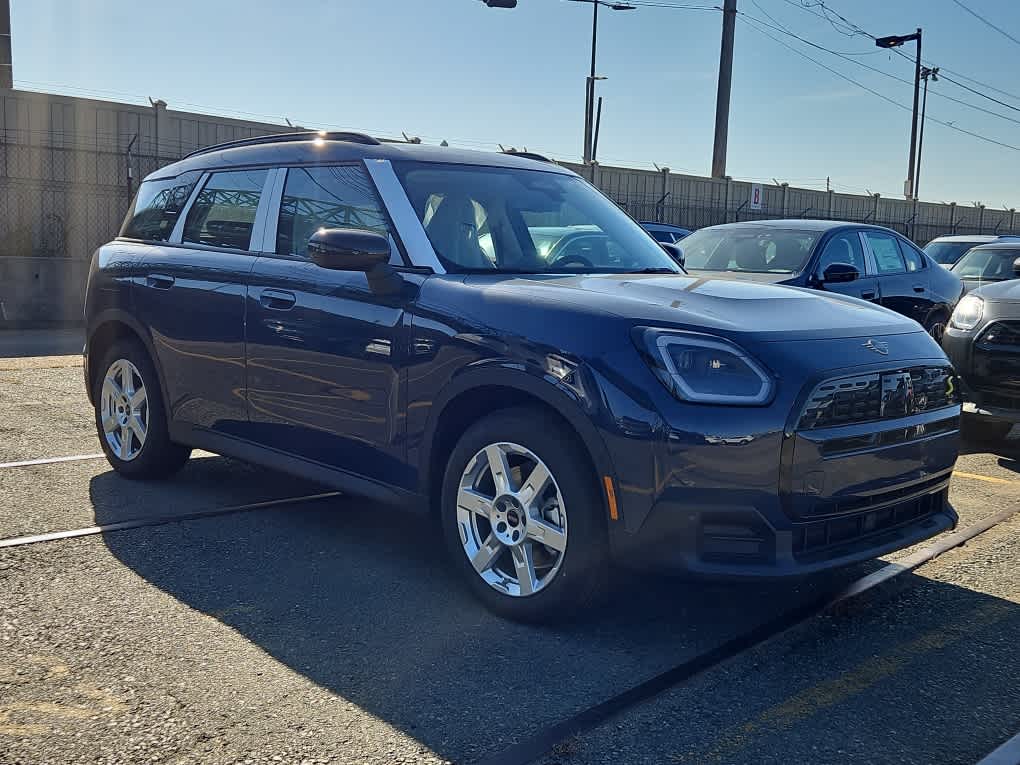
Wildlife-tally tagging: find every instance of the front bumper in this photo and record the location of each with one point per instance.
(761, 498)
(989, 375)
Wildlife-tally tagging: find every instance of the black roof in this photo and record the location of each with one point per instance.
(801, 224)
(310, 148)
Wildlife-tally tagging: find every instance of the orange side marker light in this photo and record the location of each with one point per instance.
(611, 497)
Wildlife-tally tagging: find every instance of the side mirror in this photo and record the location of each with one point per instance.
(1016, 267)
(348, 249)
(674, 251)
(839, 273)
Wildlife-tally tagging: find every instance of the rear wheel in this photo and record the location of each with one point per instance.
(522, 517)
(936, 326)
(130, 418)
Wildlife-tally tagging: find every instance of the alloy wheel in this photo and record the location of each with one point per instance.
(512, 519)
(124, 409)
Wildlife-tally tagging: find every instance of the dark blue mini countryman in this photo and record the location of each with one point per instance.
(487, 337)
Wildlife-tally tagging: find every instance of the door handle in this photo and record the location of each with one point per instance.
(277, 300)
(159, 281)
(868, 294)
(919, 288)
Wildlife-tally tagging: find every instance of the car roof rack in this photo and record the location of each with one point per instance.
(529, 155)
(306, 135)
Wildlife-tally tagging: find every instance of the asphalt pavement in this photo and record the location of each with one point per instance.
(334, 631)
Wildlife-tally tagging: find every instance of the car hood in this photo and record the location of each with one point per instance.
(743, 276)
(1000, 292)
(725, 306)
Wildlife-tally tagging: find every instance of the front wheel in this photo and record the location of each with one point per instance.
(522, 517)
(130, 417)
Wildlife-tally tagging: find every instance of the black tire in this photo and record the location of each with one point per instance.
(583, 574)
(984, 429)
(936, 326)
(158, 457)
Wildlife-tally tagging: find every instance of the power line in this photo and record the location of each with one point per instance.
(951, 126)
(891, 76)
(985, 21)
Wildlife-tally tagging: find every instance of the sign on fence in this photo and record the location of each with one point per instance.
(756, 196)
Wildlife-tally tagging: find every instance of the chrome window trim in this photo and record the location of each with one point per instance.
(259, 225)
(408, 227)
(271, 223)
(869, 256)
(178, 231)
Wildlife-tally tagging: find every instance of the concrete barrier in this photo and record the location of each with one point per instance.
(41, 292)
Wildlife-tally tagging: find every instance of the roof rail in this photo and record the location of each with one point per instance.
(529, 155)
(307, 135)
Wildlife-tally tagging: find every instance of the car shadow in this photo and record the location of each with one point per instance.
(1007, 450)
(359, 599)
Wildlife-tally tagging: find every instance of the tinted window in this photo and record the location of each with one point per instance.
(764, 250)
(947, 252)
(914, 259)
(224, 211)
(501, 219)
(326, 197)
(157, 206)
(844, 247)
(990, 265)
(887, 253)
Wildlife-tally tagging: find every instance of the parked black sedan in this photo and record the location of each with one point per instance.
(983, 342)
(987, 263)
(869, 262)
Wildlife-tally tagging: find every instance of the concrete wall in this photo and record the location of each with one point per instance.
(65, 186)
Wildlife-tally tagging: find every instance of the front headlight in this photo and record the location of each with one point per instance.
(705, 369)
(968, 313)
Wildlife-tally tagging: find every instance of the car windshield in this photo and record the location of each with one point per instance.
(758, 250)
(987, 265)
(491, 219)
(947, 253)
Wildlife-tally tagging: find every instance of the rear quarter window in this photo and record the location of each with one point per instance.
(157, 206)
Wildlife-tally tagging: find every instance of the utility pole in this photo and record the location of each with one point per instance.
(894, 41)
(6, 56)
(589, 92)
(926, 74)
(722, 99)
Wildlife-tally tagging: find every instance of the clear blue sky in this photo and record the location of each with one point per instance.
(476, 76)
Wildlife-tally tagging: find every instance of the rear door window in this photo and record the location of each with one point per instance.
(223, 213)
(157, 207)
(341, 196)
(886, 252)
(913, 258)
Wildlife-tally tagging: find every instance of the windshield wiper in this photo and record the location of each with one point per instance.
(654, 271)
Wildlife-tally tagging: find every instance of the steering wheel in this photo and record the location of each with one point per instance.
(570, 259)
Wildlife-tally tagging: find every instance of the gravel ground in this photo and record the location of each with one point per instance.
(334, 632)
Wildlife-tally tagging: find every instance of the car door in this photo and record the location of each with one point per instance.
(324, 350)
(191, 294)
(902, 291)
(847, 247)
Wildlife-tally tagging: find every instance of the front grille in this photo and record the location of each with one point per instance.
(879, 396)
(855, 504)
(1001, 333)
(813, 539)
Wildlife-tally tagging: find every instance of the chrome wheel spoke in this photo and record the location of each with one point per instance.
(534, 484)
(500, 468)
(477, 503)
(524, 565)
(125, 443)
(137, 427)
(137, 398)
(487, 554)
(110, 423)
(540, 530)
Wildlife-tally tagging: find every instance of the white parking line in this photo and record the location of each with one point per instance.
(160, 520)
(49, 460)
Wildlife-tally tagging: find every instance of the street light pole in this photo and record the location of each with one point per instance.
(589, 91)
(926, 74)
(722, 97)
(894, 41)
